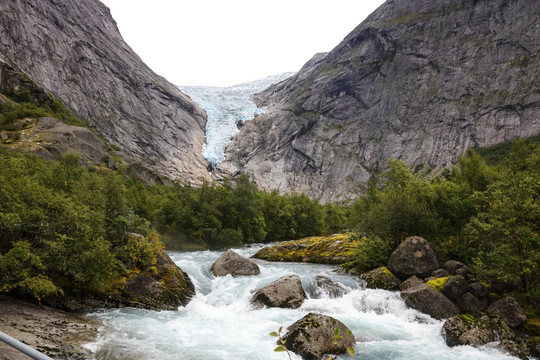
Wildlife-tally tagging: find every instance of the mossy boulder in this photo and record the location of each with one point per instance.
(230, 263)
(413, 256)
(381, 278)
(334, 249)
(313, 336)
(286, 292)
(468, 330)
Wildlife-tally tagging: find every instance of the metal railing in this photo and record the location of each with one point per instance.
(23, 347)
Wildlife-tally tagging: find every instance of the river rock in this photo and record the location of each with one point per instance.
(286, 292)
(509, 310)
(232, 263)
(381, 278)
(331, 288)
(410, 282)
(470, 304)
(313, 336)
(413, 256)
(454, 287)
(426, 299)
(467, 330)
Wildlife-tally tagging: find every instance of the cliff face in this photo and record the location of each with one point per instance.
(418, 80)
(74, 50)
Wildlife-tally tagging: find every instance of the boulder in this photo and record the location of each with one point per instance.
(469, 303)
(468, 330)
(313, 336)
(509, 310)
(410, 282)
(232, 263)
(330, 288)
(439, 273)
(454, 287)
(286, 292)
(413, 256)
(451, 266)
(426, 299)
(478, 290)
(381, 278)
(464, 271)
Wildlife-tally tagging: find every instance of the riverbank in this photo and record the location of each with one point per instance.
(55, 333)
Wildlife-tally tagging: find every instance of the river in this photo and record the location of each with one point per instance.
(218, 323)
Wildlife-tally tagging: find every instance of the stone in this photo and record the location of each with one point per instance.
(469, 303)
(454, 287)
(381, 278)
(100, 79)
(439, 273)
(286, 292)
(410, 282)
(508, 310)
(468, 330)
(429, 301)
(464, 271)
(230, 263)
(330, 288)
(413, 256)
(451, 266)
(478, 289)
(313, 336)
(396, 87)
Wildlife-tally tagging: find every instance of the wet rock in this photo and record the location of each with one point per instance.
(232, 263)
(330, 288)
(313, 336)
(509, 310)
(413, 256)
(468, 330)
(286, 292)
(514, 348)
(410, 282)
(454, 287)
(381, 278)
(426, 299)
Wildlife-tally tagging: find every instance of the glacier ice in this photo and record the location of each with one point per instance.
(225, 108)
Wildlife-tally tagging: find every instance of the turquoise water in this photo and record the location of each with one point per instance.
(219, 323)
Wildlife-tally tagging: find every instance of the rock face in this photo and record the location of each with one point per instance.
(313, 336)
(418, 80)
(413, 256)
(232, 263)
(286, 292)
(75, 51)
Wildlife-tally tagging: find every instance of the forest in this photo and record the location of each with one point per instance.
(64, 226)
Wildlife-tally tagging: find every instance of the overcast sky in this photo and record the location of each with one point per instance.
(228, 42)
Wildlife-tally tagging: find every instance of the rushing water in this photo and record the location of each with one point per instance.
(218, 323)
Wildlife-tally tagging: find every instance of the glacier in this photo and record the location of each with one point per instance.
(227, 108)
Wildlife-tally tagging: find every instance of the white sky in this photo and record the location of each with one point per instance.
(228, 42)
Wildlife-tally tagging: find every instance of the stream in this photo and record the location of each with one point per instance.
(218, 323)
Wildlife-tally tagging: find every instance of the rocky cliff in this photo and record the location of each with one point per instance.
(73, 50)
(418, 80)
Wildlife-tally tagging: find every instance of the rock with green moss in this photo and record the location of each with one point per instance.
(314, 336)
(468, 330)
(334, 249)
(286, 292)
(454, 287)
(533, 346)
(381, 278)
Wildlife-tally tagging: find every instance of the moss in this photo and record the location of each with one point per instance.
(438, 283)
(468, 318)
(533, 327)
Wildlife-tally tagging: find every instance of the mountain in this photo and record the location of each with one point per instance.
(227, 108)
(418, 80)
(73, 50)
